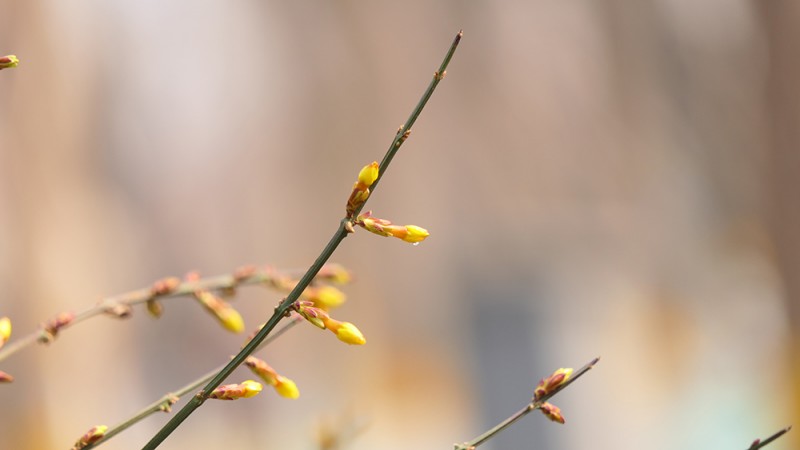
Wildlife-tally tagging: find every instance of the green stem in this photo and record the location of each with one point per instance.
(283, 308)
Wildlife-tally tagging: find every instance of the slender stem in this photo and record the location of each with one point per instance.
(164, 403)
(186, 288)
(758, 443)
(404, 131)
(534, 404)
(283, 308)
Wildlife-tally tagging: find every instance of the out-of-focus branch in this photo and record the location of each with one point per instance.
(165, 403)
(758, 443)
(120, 305)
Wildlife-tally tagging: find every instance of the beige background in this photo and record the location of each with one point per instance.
(614, 178)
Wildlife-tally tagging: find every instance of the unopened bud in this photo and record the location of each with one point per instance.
(245, 389)
(334, 273)
(551, 383)
(552, 412)
(154, 308)
(368, 174)
(91, 436)
(5, 330)
(164, 286)
(5, 377)
(8, 62)
(325, 297)
(54, 325)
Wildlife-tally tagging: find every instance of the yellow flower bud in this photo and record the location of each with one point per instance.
(245, 389)
(348, 333)
(154, 308)
(415, 234)
(325, 297)
(285, 387)
(8, 61)
(368, 174)
(251, 388)
(5, 330)
(231, 319)
(91, 436)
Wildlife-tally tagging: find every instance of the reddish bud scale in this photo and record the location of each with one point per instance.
(5, 377)
(91, 436)
(164, 286)
(52, 327)
(552, 412)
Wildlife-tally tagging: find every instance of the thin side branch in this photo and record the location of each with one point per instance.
(241, 277)
(165, 403)
(533, 405)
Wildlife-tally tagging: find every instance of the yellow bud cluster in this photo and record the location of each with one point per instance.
(91, 436)
(245, 389)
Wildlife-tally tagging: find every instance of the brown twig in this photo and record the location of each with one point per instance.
(758, 443)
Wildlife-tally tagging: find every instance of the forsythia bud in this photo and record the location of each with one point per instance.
(345, 331)
(222, 310)
(245, 389)
(287, 388)
(5, 330)
(549, 384)
(154, 308)
(552, 412)
(325, 297)
(5, 377)
(368, 174)
(334, 273)
(383, 227)
(91, 436)
(8, 61)
(54, 325)
(366, 177)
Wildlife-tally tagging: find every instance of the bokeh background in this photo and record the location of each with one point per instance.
(612, 178)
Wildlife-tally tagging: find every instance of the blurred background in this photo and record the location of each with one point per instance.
(614, 178)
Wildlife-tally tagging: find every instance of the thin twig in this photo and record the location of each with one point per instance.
(131, 298)
(164, 403)
(283, 308)
(533, 405)
(758, 443)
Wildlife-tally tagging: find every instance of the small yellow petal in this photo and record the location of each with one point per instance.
(415, 234)
(231, 319)
(5, 330)
(368, 174)
(285, 387)
(327, 297)
(349, 334)
(251, 388)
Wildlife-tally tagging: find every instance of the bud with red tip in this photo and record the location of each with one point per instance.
(552, 412)
(91, 436)
(245, 389)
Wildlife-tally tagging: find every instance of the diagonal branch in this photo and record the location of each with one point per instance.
(282, 309)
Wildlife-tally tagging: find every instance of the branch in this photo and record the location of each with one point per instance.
(758, 443)
(118, 305)
(345, 226)
(536, 403)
